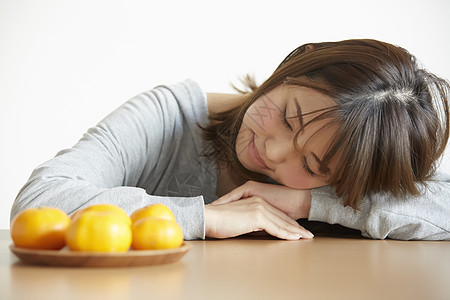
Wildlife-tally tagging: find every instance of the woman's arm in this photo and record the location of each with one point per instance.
(128, 159)
(256, 206)
(425, 217)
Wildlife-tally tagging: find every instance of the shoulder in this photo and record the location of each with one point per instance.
(186, 97)
(184, 91)
(192, 91)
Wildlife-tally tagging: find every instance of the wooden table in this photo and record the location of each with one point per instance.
(250, 268)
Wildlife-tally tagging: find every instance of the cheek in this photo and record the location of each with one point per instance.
(261, 116)
(252, 118)
(242, 140)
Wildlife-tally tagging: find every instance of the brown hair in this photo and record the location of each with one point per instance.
(393, 115)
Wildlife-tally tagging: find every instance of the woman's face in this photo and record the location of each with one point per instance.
(265, 142)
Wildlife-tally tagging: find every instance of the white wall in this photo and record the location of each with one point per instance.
(66, 64)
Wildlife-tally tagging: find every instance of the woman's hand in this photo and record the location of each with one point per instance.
(294, 203)
(261, 206)
(250, 215)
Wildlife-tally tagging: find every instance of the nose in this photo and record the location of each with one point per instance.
(278, 150)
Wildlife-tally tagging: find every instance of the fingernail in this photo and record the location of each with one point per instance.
(309, 234)
(296, 236)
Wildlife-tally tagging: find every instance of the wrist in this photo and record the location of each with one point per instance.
(208, 217)
(307, 204)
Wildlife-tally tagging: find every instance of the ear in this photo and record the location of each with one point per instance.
(309, 47)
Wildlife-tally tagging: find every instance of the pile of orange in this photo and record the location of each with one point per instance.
(97, 228)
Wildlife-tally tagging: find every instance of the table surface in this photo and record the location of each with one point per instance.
(250, 268)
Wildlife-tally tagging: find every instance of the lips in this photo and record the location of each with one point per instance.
(254, 153)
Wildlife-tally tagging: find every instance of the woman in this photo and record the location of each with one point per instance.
(346, 132)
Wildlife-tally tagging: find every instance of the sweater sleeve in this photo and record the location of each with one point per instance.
(113, 160)
(380, 216)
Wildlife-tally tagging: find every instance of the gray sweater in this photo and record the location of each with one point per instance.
(149, 151)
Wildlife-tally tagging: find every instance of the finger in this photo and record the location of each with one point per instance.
(236, 194)
(277, 223)
(248, 189)
(266, 206)
(280, 230)
(286, 231)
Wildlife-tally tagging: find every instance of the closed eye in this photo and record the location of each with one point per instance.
(306, 167)
(284, 119)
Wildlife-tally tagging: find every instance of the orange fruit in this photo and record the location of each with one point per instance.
(99, 231)
(104, 207)
(154, 210)
(40, 228)
(156, 233)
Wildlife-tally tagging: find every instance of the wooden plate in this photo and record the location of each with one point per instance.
(67, 258)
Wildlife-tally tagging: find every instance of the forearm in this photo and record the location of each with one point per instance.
(70, 195)
(382, 216)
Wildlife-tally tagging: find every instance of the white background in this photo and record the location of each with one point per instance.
(64, 65)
